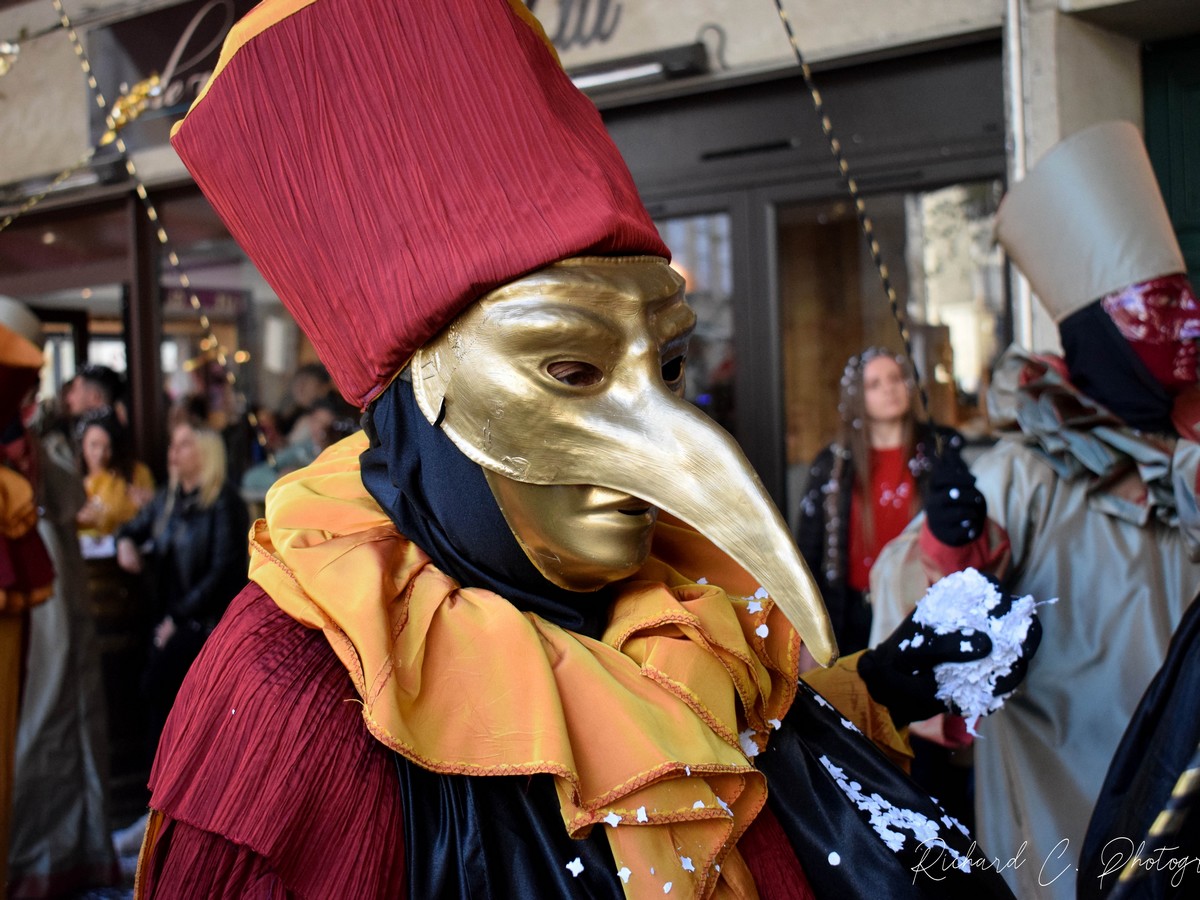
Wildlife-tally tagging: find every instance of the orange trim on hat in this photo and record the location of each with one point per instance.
(250, 26)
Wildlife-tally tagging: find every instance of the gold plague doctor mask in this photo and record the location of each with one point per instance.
(573, 377)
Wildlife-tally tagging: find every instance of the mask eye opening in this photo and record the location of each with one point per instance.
(672, 370)
(575, 373)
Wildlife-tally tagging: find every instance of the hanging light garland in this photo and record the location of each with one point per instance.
(866, 224)
(124, 111)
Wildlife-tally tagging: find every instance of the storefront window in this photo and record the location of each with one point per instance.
(701, 253)
(949, 280)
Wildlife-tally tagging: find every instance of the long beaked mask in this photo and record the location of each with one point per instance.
(557, 378)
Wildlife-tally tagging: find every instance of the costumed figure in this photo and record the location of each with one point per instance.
(1143, 841)
(60, 838)
(1091, 495)
(561, 602)
(26, 573)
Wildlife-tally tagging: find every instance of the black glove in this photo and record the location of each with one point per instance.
(900, 675)
(954, 509)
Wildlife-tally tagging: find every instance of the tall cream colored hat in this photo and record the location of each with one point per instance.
(1089, 219)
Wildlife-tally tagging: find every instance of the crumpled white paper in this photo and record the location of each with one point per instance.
(962, 602)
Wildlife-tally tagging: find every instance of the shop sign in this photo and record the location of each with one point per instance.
(182, 43)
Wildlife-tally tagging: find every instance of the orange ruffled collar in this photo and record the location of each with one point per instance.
(646, 731)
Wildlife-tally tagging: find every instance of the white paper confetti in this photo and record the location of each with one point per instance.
(754, 606)
(232, 711)
(699, 804)
(641, 814)
(686, 862)
(623, 873)
(746, 739)
(575, 866)
(725, 806)
(667, 888)
(761, 593)
(775, 723)
(762, 631)
(835, 859)
(891, 823)
(613, 819)
(701, 581)
(687, 770)
(849, 726)
(962, 602)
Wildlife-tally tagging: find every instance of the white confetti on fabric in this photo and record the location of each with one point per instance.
(962, 601)
(775, 723)
(891, 822)
(232, 711)
(754, 606)
(821, 701)
(667, 888)
(687, 770)
(835, 858)
(746, 739)
(613, 819)
(641, 814)
(575, 866)
(761, 593)
(623, 873)
(725, 806)
(762, 631)
(686, 862)
(917, 641)
(849, 726)
(701, 581)
(699, 804)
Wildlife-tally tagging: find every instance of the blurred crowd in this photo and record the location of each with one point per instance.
(136, 576)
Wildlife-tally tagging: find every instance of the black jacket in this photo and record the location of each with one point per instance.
(824, 541)
(196, 556)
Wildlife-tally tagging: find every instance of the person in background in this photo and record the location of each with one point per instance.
(117, 485)
(865, 487)
(863, 490)
(60, 838)
(329, 420)
(96, 387)
(1091, 493)
(26, 573)
(310, 383)
(193, 536)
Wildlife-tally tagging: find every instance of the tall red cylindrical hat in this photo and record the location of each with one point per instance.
(386, 162)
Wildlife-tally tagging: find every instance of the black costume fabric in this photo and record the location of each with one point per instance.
(503, 836)
(441, 501)
(1102, 365)
(1157, 746)
(824, 542)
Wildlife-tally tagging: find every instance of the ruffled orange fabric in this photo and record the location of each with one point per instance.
(27, 579)
(648, 728)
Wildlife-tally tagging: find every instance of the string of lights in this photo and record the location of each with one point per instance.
(860, 207)
(125, 110)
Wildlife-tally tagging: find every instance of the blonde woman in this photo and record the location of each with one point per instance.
(191, 540)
